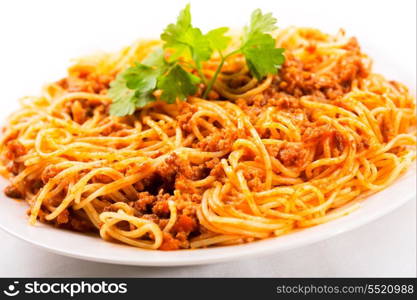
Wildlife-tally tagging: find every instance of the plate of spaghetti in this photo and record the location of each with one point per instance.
(206, 146)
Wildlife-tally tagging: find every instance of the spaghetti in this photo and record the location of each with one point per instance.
(257, 160)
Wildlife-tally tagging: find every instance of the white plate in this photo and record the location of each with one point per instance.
(13, 219)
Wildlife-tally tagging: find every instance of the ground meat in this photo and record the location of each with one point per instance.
(152, 184)
(169, 168)
(12, 192)
(339, 141)
(111, 128)
(216, 168)
(169, 243)
(282, 100)
(184, 239)
(63, 217)
(313, 133)
(253, 111)
(12, 135)
(218, 141)
(81, 225)
(79, 113)
(349, 69)
(363, 145)
(152, 217)
(292, 154)
(387, 130)
(36, 184)
(185, 224)
(175, 166)
(70, 220)
(299, 78)
(15, 149)
(185, 114)
(183, 185)
(212, 163)
(254, 178)
(145, 202)
(85, 81)
(14, 167)
(186, 202)
(254, 106)
(161, 207)
(289, 154)
(101, 178)
(155, 208)
(49, 172)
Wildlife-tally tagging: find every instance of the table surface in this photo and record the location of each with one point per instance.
(384, 248)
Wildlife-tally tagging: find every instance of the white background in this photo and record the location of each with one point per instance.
(38, 39)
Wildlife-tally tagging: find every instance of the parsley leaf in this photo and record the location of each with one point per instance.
(177, 83)
(183, 23)
(141, 77)
(190, 43)
(133, 87)
(187, 41)
(217, 38)
(258, 46)
(198, 45)
(259, 23)
(155, 59)
(261, 55)
(124, 99)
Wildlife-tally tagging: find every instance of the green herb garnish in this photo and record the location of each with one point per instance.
(189, 48)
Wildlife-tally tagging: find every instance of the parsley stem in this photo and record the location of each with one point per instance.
(213, 79)
(200, 72)
(216, 73)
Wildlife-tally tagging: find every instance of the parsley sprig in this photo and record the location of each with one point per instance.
(178, 75)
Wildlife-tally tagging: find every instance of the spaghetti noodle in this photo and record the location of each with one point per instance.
(257, 160)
